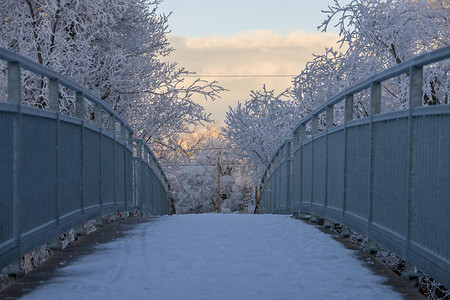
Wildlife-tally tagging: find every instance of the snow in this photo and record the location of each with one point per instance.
(213, 256)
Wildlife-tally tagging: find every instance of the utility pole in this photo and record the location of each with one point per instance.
(218, 185)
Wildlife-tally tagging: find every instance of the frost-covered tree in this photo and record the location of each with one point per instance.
(256, 128)
(378, 34)
(375, 35)
(194, 175)
(112, 47)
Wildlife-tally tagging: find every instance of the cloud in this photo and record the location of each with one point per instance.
(255, 52)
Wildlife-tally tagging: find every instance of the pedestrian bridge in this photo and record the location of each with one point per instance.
(385, 176)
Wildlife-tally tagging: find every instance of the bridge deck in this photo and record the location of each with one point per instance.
(207, 257)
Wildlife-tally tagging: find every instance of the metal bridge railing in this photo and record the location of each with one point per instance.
(151, 187)
(58, 171)
(385, 176)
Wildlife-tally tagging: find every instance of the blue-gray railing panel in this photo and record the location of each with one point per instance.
(431, 208)
(306, 176)
(38, 170)
(319, 173)
(92, 167)
(70, 163)
(390, 174)
(336, 161)
(6, 169)
(358, 168)
(108, 169)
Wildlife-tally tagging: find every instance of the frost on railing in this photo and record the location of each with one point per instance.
(374, 158)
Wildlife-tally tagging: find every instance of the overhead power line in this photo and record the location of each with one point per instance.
(240, 76)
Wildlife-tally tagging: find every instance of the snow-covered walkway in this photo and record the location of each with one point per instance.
(214, 256)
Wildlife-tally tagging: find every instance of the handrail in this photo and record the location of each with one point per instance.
(418, 61)
(37, 68)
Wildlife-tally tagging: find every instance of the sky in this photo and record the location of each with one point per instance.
(246, 37)
(212, 256)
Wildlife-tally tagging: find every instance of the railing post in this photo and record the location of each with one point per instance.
(348, 108)
(98, 123)
(415, 100)
(98, 115)
(53, 95)
(15, 96)
(295, 139)
(302, 132)
(128, 143)
(415, 87)
(289, 161)
(79, 113)
(138, 175)
(314, 131)
(315, 125)
(348, 117)
(375, 98)
(112, 125)
(329, 116)
(14, 83)
(123, 134)
(302, 138)
(79, 105)
(375, 108)
(129, 138)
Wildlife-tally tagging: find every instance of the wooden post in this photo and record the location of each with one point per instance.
(218, 185)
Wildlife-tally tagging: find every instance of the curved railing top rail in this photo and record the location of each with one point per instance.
(419, 61)
(37, 68)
